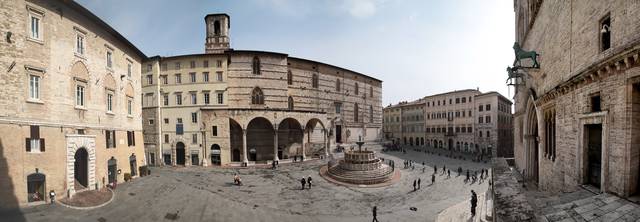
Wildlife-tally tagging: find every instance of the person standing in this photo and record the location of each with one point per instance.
(433, 178)
(474, 203)
(419, 183)
(309, 181)
(414, 185)
(448, 174)
(435, 168)
(303, 182)
(375, 213)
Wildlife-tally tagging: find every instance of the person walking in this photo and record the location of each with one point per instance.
(309, 181)
(474, 203)
(433, 178)
(375, 213)
(414, 185)
(52, 196)
(448, 174)
(418, 183)
(303, 182)
(435, 168)
(467, 179)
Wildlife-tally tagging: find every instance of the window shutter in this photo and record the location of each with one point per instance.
(133, 135)
(28, 144)
(106, 137)
(41, 145)
(113, 138)
(128, 138)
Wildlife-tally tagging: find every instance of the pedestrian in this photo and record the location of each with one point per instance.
(433, 178)
(467, 179)
(303, 182)
(422, 163)
(418, 183)
(474, 203)
(435, 168)
(413, 167)
(309, 181)
(414, 185)
(52, 196)
(448, 173)
(423, 168)
(273, 165)
(375, 213)
(295, 158)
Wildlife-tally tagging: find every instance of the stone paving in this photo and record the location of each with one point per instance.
(208, 194)
(586, 206)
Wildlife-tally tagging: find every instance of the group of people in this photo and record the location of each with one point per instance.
(304, 182)
(473, 176)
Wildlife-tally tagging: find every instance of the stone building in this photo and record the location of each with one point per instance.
(233, 107)
(462, 121)
(576, 115)
(70, 116)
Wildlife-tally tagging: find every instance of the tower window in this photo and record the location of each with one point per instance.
(595, 103)
(289, 78)
(256, 66)
(314, 81)
(216, 27)
(605, 33)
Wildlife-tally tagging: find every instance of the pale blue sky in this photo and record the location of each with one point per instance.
(416, 47)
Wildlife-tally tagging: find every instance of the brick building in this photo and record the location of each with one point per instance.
(576, 116)
(70, 117)
(463, 121)
(232, 107)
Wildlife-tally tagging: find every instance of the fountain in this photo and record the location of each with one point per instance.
(360, 168)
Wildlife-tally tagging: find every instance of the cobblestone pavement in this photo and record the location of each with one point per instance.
(586, 206)
(208, 194)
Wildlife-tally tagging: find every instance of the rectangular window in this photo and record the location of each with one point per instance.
(80, 44)
(192, 64)
(166, 138)
(178, 78)
(164, 79)
(131, 138)
(34, 87)
(165, 99)
(178, 99)
(192, 76)
(205, 63)
(480, 119)
(457, 100)
(109, 59)
(179, 129)
(488, 107)
(166, 120)
(179, 120)
(194, 99)
(206, 98)
(110, 136)
(214, 130)
(488, 119)
(595, 103)
(110, 102)
(129, 106)
(464, 99)
(219, 63)
(194, 138)
(129, 69)
(35, 27)
(149, 67)
(220, 98)
(338, 107)
(194, 117)
(150, 79)
(177, 65)
(34, 143)
(151, 122)
(480, 108)
(79, 95)
(205, 76)
(219, 76)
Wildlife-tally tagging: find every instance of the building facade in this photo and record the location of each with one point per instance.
(236, 107)
(576, 115)
(70, 116)
(461, 121)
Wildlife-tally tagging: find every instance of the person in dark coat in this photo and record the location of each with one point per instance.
(418, 183)
(303, 182)
(414, 185)
(433, 178)
(474, 203)
(309, 181)
(375, 213)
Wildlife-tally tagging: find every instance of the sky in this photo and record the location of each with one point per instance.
(416, 47)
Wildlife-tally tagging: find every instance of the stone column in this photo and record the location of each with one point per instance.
(326, 143)
(244, 147)
(304, 137)
(275, 145)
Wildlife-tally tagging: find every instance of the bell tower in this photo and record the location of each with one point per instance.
(217, 40)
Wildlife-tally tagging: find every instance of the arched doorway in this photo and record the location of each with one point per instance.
(533, 143)
(80, 169)
(315, 142)
(112, 168)
(215, 155)
(260, 139)
(36, 187)
(180, 153)
(410, 141)
(450, 144)
(133, 164)
(235, 140)
(289, 138)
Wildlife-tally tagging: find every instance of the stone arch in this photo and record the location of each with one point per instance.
(257, 96)
(315, 141)
(260, 139)
(235, 140)
(80, 71)
(74, 143)
(289, 138)
(36, 187)
(215, 154)
(532, 145)
(109, 82)
(112, 170)
(129, 92)
(181, 153)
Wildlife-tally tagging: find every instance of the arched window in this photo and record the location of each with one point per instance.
(355, 113)
(337, 85)
(314, 80)
(290, 103)
(357, 89)
(216, 27)
(256, 96)
(370, 113)
(289, 78)
(256, 66)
